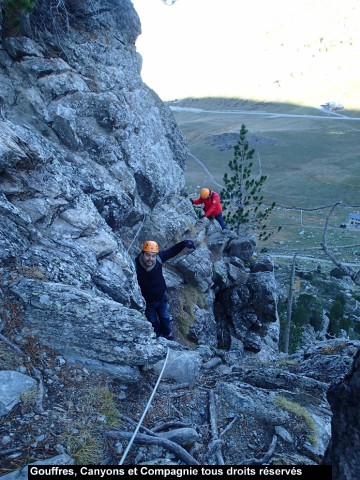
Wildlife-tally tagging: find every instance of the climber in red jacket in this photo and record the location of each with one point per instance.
(212, 205)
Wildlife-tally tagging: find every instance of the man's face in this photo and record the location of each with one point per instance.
(149, 258)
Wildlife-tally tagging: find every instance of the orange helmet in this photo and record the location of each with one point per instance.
(204, 193)
(150, 246)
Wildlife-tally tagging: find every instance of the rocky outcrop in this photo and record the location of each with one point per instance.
(252, 403)
(82, 324)
(343, 396)
(12, 385)
(82, 170)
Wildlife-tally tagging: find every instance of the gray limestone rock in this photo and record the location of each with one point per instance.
(181, 367)
(343, 396)
(12, 385)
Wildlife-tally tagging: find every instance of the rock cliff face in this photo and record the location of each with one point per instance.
(91, 165)
(343, 396)
(87, 152)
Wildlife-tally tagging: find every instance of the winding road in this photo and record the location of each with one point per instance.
(330, 115)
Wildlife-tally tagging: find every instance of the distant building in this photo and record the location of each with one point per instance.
(333, 106)
(354, 220)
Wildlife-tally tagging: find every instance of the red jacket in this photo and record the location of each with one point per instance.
(212, 205)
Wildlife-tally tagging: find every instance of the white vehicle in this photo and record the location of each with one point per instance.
(333, 106)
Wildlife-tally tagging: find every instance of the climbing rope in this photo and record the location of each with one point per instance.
(137, 233)
(143, 221)
(145, 411)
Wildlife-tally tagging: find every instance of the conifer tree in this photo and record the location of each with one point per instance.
(243, 204)
(14, 12)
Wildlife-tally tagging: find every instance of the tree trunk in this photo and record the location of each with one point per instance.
(289, 307)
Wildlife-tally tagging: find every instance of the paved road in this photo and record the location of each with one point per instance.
(329, 115)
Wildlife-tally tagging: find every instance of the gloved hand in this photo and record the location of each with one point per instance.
(191, 200)
(190, 244)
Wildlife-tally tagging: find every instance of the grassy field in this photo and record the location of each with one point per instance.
(310, 156)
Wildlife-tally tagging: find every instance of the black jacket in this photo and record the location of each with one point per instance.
(152, 284)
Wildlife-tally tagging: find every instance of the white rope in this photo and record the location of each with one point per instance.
(145, 411)
(143, 221)
(137, 233)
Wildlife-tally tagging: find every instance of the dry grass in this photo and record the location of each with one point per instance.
(84, 445)
(183, 307)
(302, 413)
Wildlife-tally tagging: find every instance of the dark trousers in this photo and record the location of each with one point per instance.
(159, 316)
(220, 219)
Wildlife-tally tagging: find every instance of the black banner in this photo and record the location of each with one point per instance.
(107, 472)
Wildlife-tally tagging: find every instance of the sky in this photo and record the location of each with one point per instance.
(305, 51)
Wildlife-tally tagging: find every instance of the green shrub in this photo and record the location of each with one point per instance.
(13, 14)
(357, 327)
(307, 310)
(295, 338)
(183, 311)
(337, 320)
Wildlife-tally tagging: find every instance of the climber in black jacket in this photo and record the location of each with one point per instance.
(152, 283)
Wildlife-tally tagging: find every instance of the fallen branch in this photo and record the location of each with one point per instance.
(169, 425)
(10, 344)
(213, 445)
(216, 442)
(134, 424)
(214, 430)
(143, 439)
(178, 386)
(3, 453)
(40, 393)
(227, 428)
(355, 276)
(265, 459)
